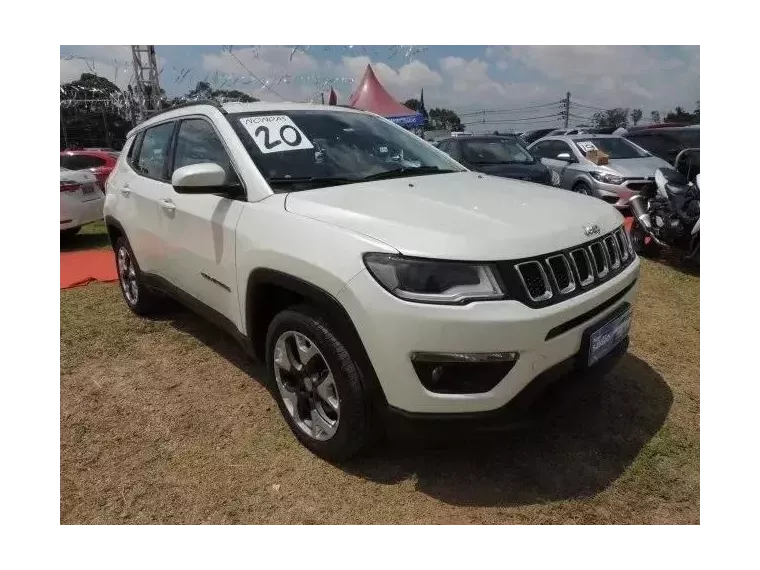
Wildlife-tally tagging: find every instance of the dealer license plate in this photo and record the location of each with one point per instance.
(604, 339)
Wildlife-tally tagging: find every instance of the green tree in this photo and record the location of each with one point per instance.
(203, 90)
(636, 115)
(679, 115)
(611, 118)
(92, 113)
(654, 116)
(444, 119)
(413, 104)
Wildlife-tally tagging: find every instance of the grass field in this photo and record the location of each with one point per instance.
(164, 421)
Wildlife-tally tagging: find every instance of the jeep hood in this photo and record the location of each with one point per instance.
(464, 215)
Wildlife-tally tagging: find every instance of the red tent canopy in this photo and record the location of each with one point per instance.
(371, 96)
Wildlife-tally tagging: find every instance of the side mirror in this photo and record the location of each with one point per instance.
(565, 156)
(203, 178)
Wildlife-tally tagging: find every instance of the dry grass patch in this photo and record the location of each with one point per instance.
(163, 421)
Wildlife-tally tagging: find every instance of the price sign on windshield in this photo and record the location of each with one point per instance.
(586, 146)
(275, 133)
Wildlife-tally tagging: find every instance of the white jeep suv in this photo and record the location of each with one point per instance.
(370, 271)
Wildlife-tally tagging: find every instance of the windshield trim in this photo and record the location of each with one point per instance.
(233, 119)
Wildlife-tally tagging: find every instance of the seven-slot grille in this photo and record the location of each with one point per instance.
(557, 276)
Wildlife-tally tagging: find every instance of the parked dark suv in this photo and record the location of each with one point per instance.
(667, 142)
(498, 156)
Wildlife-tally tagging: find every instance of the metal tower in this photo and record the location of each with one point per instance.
(147, 91)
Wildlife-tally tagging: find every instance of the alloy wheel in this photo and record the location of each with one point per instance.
(127, 275)
(307, 385)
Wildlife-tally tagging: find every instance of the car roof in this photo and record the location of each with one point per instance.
(668, 129)
(480, 137)
(258, 106)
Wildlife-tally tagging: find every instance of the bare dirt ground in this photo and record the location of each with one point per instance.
(164, 421)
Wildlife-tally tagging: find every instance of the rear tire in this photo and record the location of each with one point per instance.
(318, 385)
(139, 298)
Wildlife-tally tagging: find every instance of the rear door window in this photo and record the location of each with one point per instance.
(151, 159)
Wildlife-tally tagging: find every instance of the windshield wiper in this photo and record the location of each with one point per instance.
(311, 180)
(411, 171)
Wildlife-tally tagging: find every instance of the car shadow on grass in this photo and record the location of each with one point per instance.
(591, 431)
(83, 241)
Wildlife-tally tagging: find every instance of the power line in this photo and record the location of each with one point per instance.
(507, 110)
(579, 117)
(545, 119)
(575, 102)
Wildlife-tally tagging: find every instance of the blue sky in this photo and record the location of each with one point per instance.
(463, 78)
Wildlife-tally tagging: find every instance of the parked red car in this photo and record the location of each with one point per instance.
(98, 161)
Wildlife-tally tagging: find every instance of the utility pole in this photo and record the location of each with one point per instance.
(566, 112)
(323, 97)
(146, 79)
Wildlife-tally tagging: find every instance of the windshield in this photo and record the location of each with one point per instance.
(495, 151)
(298, 150)
(688, 138)
(615, 147)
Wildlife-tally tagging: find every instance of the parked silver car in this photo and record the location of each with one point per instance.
(630, 168)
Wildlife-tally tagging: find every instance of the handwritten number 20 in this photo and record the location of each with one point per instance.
(271, 144)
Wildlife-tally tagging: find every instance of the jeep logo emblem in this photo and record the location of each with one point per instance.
(592, 230)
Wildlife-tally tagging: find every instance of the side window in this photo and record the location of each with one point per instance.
(454, 150)
(445, 146)
(541, 149)
(197, 142)
(560, 147)
(151, 159)
(134, 147)
(657, 145)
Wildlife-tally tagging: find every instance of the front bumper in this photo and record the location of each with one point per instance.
(392, 329)
(536, 402)
(618, 195)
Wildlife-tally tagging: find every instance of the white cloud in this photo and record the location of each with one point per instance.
(505, 78)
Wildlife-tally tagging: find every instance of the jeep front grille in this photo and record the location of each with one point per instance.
(557, 276)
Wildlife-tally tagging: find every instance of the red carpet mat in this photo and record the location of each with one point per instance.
(82, 267)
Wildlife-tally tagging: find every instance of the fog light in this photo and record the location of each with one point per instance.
(462, 373)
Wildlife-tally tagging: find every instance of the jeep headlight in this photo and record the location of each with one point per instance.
(606, 177)
(432, 281)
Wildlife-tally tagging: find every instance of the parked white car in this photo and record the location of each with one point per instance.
(81, 200)
(371, 288)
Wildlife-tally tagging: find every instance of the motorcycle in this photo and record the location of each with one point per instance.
(667, 216)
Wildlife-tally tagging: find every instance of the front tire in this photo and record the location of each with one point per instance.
(317, 384)
(583, 188)
(139, 298)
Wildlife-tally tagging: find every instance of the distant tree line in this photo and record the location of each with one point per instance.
(619, 117)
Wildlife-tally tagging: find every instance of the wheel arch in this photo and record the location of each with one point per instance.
(114, 229)
(268, 291)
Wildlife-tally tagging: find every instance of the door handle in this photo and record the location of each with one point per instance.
(126, 190)
(168, 205)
